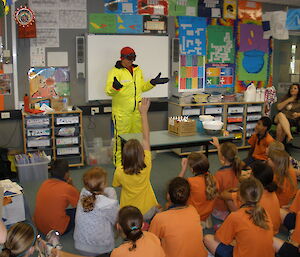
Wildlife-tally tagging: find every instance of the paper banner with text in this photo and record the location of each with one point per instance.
(157, 7)
(191, 74)
(192, 35)
(120, 6)
(49, 82)
(249, 10)
(293, 19)
(229, 9)
(102, 23)
(155, 24)
(220, 46)
(129, 24)
(219, 75)
(183, 7)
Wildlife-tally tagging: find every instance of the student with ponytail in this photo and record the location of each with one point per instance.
(250, 227)
(96, 215)
(136, 242)
(203, 185)
(228, 175)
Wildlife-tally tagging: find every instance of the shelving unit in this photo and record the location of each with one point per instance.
(239, 118)
(59, 134)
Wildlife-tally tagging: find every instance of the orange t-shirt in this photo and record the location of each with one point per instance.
(259, 152)
(295, 206)
(287, 191)
(147, 246)
(270, 203)
(296, 233)
(198, 197)
(226, 179)
(180, 232)
(251, 240)
(52, 199)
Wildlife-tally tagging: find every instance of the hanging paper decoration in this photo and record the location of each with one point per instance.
(191, 74)
(155, 24)
(293, 19)
(192, 35)
(183, 7)
(210, 8)
(25, 19)
(219, 75)
(129, 24)
(274, 25)
(249, 10)
(102, 23)
(229, 9)
(120, 6)
(220, 46)
(4, 8)
(153, 7)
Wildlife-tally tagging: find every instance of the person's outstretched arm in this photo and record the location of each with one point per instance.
(215, 142)
(143, 108)
(184, 164)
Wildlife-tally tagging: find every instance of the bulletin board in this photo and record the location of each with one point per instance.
(104, 50)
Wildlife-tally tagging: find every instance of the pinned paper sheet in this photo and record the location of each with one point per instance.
(57, 59)
(37, 56)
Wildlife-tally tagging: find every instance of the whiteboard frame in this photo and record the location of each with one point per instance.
(104, 50)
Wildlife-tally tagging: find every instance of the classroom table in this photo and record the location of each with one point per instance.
(162, 139)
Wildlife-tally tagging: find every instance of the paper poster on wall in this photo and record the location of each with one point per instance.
(183, 7)
(229, 9)
(219, 75)
(5, 84)
(155, 24)
(49, 82)
(49, 4)
(37, 56)
(192, 35)
(72, 4)
(46, 18)
(274, 25)
(150, 7)
(210, 8)
(120, 6)
(249, 10)
(57, 59)
(46, 37)
(129, 24)
(102, 23)
(220, 46)
(191, 74)
(293, 19)
(72, 19)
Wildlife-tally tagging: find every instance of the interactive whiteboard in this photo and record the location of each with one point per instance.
(104, 50)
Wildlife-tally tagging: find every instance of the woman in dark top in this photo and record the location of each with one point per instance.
(289, 113)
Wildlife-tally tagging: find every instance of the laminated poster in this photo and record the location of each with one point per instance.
(249, 10)
(183, 7)
(120, 6)
(220, 46)
(5, 84)
(155, 24)
(229, 9)
(49, 82)
(219, 75)
(102, 23)
(153, 7)
(129, 24)
(192, 35)
(191, 74)
(293, 19)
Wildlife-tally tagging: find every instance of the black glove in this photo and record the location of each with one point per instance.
(159, 80)
(116, 84)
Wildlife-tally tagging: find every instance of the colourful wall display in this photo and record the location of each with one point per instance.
(120, 6)
(155, 24)
(229, 9)
(102, 23)
(219, 75)
(249, 10)
(183, 7)
(150, 7)
(293, 19)
(129, 24)
(210, 8)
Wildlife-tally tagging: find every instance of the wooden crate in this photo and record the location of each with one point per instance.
(183, 128)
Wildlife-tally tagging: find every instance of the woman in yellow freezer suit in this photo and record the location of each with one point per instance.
(125, 84)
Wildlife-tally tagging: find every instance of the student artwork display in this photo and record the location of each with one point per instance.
(219, 75)
(220, 46)
(229, 9)
(210, 8)
(274, 25)
(183, 7)
(5, 84)
(102, 23)
(192, 35)
(155, 24)
(49, 82)
(249, 10)
(153, 7)
(191, 74)
(129, 24)
(120, 6)
(293, 19)
(25, 20)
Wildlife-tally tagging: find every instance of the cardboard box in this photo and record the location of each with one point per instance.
(182, 128)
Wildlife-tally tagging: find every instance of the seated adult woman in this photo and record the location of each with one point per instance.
(289, 113)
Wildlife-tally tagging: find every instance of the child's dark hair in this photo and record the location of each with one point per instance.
(59, 168)
(266, 121)
(251, 191)
(264, 173)
(131, 221)
(179, 190)
(200, 166)
(133, 157)
(230, 153)
(94, 181)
